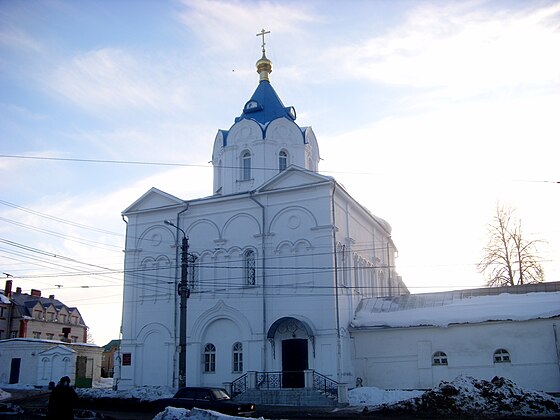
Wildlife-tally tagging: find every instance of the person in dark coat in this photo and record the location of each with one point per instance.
(62, 401)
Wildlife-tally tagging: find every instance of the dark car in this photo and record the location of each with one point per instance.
(216, 399)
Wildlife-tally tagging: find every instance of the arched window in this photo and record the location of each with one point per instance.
(193, 271)
(439, 358)
(249, 265)
(209, 358)
(282, 160)
(246, 166)
(237, 357)
(501, 356)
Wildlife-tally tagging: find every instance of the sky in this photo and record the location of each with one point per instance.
(429, 113)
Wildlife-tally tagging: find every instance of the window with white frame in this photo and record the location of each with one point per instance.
(249, 266)
(282, 160)
(439, 359)
(209, 358)
(237, 358)
(246, 166)
(501, 356)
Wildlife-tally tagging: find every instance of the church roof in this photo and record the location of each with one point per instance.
(441, 309)
(265, 105)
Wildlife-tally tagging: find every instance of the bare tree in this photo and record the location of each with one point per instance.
(509, 259)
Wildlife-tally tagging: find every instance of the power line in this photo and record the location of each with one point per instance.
(58, 219)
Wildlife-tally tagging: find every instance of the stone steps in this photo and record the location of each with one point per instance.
(302, 397)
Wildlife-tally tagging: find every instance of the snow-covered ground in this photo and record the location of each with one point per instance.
(464, 396)
(171, 413)
(467, 396)
(371, 396)
(4, 395)
(145, 393)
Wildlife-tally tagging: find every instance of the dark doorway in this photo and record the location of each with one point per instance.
(294, 362)
(14, 370)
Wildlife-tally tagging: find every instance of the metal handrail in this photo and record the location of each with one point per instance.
(239, 386)
(325, 385)
(274, 380)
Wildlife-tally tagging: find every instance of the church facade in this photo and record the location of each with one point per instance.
(279, 258)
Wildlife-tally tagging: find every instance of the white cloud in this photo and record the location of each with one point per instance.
(111, 79)
(220, 24)
(463, 52)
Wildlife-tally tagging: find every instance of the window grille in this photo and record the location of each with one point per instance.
(237, 357)
(501, 356)
(209, 358)
(439, 358)
(246, 166)
(193, 272)
(250, 272)
(282, 160)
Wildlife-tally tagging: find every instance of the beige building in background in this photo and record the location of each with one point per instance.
(29, 315)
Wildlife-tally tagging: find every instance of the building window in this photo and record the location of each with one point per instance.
(50, 336)
(62, 318)
(193, 271)
(501, 356)
(1, 334)
(36, 334)
(38, 314)
(282, 160)
(209, 358)
(13, 334)
(439, 358)
(74, 339)
(249, 265)
(237, 358)
(246, 166)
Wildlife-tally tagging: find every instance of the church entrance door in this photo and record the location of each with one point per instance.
(294, 362)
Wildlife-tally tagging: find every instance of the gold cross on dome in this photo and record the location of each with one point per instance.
(262, 33)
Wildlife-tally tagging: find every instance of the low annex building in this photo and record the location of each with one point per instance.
(35, 362)
(415, 341)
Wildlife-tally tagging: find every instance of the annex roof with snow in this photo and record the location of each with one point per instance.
(515, 303)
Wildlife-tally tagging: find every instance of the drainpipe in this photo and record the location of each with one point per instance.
(338, 341)
(263, 268)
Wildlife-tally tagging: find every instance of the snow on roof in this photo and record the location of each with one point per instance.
(4, 299)
(422, 310)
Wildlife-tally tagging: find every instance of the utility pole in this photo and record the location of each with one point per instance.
(184, 292)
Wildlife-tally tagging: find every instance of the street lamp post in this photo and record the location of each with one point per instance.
(184, 292)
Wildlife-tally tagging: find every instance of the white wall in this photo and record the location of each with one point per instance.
(402, 357)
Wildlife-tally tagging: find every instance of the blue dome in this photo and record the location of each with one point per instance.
(265, 106)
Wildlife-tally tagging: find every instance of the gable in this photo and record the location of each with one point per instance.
(293, 176)
(153, 199)
(59, 350)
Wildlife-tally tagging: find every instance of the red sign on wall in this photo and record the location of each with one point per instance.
(126, 359)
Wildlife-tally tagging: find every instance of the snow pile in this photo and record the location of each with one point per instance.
(4, 395)
(171, 413)
(372, 396)
(466, 396)
(145, 393)
(105, 383)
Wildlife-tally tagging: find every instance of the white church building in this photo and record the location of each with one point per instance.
(282, 264)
